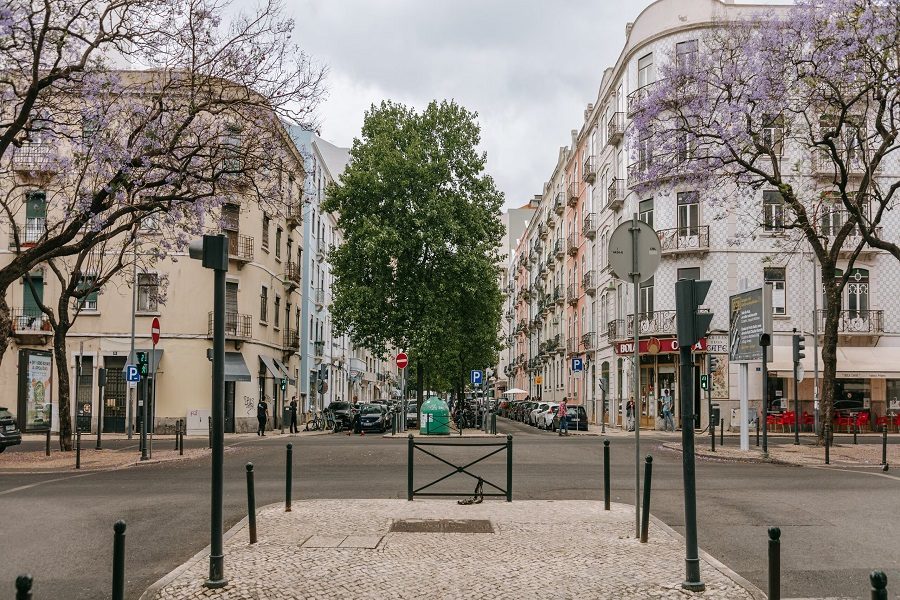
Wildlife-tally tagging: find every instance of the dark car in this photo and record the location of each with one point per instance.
(577, 417)
(373, 417)
(9, 433)
(342, 412)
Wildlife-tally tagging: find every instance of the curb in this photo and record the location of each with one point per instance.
(751, 589)
(676, 447)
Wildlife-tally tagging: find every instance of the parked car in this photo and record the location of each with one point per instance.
(373, 417)
(342, 413)
(9, 432)
(412, 413)
(577, 417)
(533, 415)
(545, 418)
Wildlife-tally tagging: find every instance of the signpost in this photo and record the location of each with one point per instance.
(750, 316)
(634, 254)
(577, 365)
(477, 377)
(402, 362)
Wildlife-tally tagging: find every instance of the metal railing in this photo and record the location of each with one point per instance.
(588, 170)
(33, 157)
(589, 227)
(319, 348)
(29, 320)
(684, 239)
(615, 129)
(588, 340)
(320, 297)
(292, 339)
(237, 326)
(292, 273)
(559, 203)
(35, 229)
(615, 193)
(572, 194)
(572, 294)
(558, 248)
(240, 247)
(862, 322)
(589, 282)
(660, 322)
(572, 244)
(572, 346)
(413, 445)
(637, 97)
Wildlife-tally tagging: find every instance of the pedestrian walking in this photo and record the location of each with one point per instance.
(561, 412)
(355, 423)
(629, 413)
(262, 415)
(667, 406)
(292, 407)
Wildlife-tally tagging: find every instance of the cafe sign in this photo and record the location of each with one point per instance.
(654, 345)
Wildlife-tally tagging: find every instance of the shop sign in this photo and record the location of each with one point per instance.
(38, 408)
(658, 346)
(750, 315)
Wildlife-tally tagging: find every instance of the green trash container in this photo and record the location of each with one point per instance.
(435, 417)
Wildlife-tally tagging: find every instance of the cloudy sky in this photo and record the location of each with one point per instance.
(528, 67)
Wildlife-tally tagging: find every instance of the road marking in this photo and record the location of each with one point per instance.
(851, 470)
(31, 485)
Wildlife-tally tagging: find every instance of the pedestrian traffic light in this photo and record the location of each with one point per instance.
(143, 363)
(692, 324)
(799, 347)
(713, 364)
(283, 384)
(704, 382)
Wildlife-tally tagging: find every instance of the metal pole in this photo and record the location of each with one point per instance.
(144, 455)
(509, 465)
(645, 515)
(796, 401)
(774, 563)
(712, 434)
(154, 365)
(606, 491)
(217, 552)
(764, 342)
(722, 432)
(77, 446)
(118, 577)
(288, 477)
(692, 553)
(815, 330)
(101, 376)
(23, 587)
(744, 386)
(709, 390)
(636, 386)
(878, 579)
(78, 381)
(251, 503)
(409, 467)
(129, 408)
(47, 449)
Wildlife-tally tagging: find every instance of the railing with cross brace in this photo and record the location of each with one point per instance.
(412, 491)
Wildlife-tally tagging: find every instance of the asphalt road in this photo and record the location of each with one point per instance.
(837, 524)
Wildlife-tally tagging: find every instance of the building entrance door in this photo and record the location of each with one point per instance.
(229, 407)
(116, 394)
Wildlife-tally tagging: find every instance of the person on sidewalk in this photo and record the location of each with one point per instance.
(561, 413)
(262, 415)
(629, 413)
(667, 406)
(292, 407)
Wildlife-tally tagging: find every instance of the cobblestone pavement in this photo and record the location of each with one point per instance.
(538, 549)
(807, 453)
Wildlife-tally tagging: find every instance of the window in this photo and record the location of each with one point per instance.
(773, 133)
(150, 223)
(773, 211)
(264, 304)
(35, 216)
(88, 130)
(231, 149)
(688, 213)
(278, 232)
(775, 276)
(276, 314)
(265, 232)
(148, 292)
(858, 293)
(289, 250)
(645, 211)
(645, 154)
(686, 55)
(689, 273)
(646, 75)
(646, 299)
(231, 215)
(86, 284)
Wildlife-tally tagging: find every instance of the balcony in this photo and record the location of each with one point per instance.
(551, 262)
(572, 245)
(510, 314)
(683, 165)
(572, 194)
(636, 98)
(34, 158)
(589, 170)
(291, 275)
(572, 346)
(825, 167)
(319, 297)
(292, 340)
(684, 240)
(589, 341)
(551, 219)
(294, 215)
(35, 230)
(559, 203)
(557, 295)
(615, 129)
(589, 227)
(830, 224)
(30, 326)
(558, 249)
(589, 282)
(319, 349)
(615, 194)
(615, 330)
(238, 327)
(572, 294)
(857, 323)
(240, 248)
(661, 322)
(543, 230)
(320, 249)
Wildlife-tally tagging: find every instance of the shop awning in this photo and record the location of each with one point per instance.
(286, 372)
(235, 367)
(862, 362)
(270, 366)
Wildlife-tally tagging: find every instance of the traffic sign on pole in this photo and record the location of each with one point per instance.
(132, 374)
(476, 377)
(577, 365)
(154, 330)
(402, 360)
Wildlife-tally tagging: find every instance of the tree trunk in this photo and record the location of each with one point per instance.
(63, 387)
(420, 380)
(5, 326)
(832, 312)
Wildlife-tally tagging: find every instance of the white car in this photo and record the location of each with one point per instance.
(545, 419)
(533, 417)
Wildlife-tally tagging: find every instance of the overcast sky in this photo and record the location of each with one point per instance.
(527, 67)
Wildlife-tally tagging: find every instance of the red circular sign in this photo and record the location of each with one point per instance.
(402, 360)
(154, 331)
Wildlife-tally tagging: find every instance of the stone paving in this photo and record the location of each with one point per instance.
(866, 454)
(335, 549)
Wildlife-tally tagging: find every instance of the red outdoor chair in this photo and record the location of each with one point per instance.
(772, 421)
(787, 419)
(843, 421)
(863, 421)
(897, 421)
(807, 420)
(882, 422)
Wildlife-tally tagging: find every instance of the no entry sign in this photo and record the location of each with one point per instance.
(402, 360)
(154, 331)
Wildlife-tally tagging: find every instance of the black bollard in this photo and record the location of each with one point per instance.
(181, 438)
(645, 514)
(494, 423)
(827, 445)
(77, 448)
(209, 420)
(774, 563)
(118, 575)
(712, 437)
(47, 449)
(884, 445)
(251, 504)
(23, 587)
(757, 432)
(855, 431)
(878, 579)
(288, 477)
(722, 432)
(605, 474)
(177, 429)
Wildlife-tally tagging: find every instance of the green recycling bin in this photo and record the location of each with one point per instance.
(435, 417)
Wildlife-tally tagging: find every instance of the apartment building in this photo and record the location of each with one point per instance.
(564, 302)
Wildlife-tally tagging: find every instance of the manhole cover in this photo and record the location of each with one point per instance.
(442, 526)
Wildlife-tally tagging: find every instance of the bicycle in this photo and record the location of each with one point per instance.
(316, 423)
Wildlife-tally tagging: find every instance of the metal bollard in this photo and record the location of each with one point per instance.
(118, 575)
(394, 424)
(774, 563)
(827, 445)
(855, 431)
(47, 449)
(884, 445)
(878, 579)
(722, 432)
(251, 503)
(181, 433)
(177, 429)
(288, 477)
(409, 468)
(712, 437)
(606, 475)
(645, 515)
(209, 420)
(23, 587)
(77, 448)
(494, 423)
(757, 432)
(509, 467)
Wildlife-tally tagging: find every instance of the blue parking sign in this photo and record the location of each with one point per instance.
(577, 365)
(132, 373)
(476, 377)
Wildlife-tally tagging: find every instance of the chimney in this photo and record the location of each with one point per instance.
(574, 138)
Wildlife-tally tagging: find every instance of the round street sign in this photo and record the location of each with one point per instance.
(402, 360)
(621, 251)
(154, 331)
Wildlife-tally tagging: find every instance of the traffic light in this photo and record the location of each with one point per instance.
(799, 347)
(143, 363)
(713, 364)
(283, 384)
(704, 382)
(692, 325)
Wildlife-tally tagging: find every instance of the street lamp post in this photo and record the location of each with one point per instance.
(213, 251)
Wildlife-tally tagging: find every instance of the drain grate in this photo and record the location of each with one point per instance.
(442, 526)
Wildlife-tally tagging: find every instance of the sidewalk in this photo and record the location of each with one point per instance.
(336, 549)
(807, 453)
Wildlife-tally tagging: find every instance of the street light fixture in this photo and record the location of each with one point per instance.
(213, 251)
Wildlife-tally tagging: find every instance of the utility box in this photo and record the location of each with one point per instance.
(716, 414)
(435, 417)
